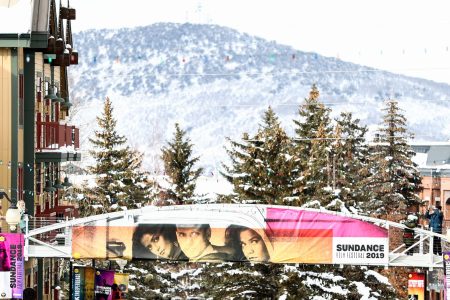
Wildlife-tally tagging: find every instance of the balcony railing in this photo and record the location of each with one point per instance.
(52, 136)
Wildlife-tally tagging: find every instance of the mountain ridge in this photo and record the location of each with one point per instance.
(216, 82)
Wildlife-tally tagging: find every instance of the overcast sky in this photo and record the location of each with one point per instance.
(411, 37)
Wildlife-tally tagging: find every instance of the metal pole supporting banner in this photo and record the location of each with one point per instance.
(70, 280)
(40, 279)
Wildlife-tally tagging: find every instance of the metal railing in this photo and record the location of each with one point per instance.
(423, 252)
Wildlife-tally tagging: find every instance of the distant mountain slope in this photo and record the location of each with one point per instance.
(217, 82)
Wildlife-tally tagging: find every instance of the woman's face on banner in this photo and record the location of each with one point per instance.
(253, 246)
(192, 241)
(157, 244)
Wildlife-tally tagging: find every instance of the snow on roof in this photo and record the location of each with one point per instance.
(57, 148)
(432, 155)
(420, 159)
(16, 16)
(414, 143)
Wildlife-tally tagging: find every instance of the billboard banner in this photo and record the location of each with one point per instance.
(216, 233)
(416, 286)
(11, 265)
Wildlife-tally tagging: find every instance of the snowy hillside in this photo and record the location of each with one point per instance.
(216, 82)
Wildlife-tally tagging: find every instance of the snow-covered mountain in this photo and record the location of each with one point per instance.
(216, 82)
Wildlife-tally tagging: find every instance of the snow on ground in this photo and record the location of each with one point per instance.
(213, 185)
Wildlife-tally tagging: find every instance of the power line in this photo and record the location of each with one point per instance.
(337, 103)
(276, 73)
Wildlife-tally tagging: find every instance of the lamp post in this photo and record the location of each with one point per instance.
(12, 214)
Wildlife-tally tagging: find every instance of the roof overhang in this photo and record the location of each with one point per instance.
(57, 156)
(24, 40)
(24, 23)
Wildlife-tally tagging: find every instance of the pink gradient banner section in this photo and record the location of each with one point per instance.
(278, 220)
(11, 265)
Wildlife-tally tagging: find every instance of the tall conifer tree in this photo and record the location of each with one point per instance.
(179, 167)
(313, 146)
(261, 165)
(250, 181)
(395, 178)
(137, 185)
(117, 167)
(349, 160)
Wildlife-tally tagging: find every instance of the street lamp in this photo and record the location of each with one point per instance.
(13, 214)
(66, 183)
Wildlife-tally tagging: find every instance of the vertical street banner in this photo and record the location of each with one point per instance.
(78, 283)
(89, 282)
(104, 280)
(83, 283)
(435, 280)
(446, 256)
(11, 265)
(120, 286)
(226, 232)
(416, 286)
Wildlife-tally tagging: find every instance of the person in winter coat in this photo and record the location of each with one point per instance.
(435, 215)
(408, 233)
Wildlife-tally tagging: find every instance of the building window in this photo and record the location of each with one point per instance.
(447, 197)
(47, 281)
(38, 179)
(39, 94)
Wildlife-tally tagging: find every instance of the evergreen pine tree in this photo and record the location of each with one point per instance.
(261, 165)
(241, 281)
(394, 179)
(117, 166)
(136, 183)
(349, 160)
(179, 167)
(312, 175)
(277, 281)
(229, 281)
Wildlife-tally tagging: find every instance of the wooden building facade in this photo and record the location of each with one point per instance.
(36, 141)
